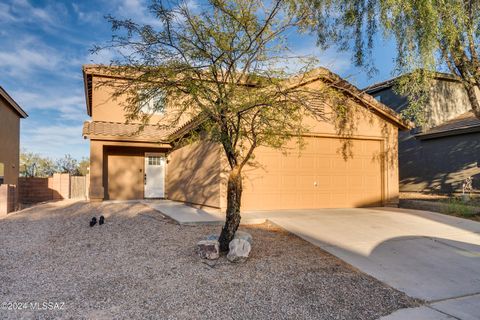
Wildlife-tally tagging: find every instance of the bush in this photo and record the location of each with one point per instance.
(457, 207)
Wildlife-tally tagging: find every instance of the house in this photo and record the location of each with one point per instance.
(445, 150)
(10, 115)
(130, 164)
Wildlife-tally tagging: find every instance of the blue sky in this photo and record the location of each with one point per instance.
(43, 45)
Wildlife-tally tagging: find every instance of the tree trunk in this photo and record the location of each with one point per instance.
(472, 96)
(234, 195)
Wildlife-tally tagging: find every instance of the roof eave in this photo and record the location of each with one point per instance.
(163, 143)
(12, 103)
(448, 133)
(88, 92)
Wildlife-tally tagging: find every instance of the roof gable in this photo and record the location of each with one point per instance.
(12, 104)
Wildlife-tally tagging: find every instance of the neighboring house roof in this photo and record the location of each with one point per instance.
(372, 89)
(465, 123)
(124, 131)
(12, 103)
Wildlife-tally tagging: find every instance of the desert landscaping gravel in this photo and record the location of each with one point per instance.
(141, 265)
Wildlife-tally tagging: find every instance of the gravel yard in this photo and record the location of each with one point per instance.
(140, 265)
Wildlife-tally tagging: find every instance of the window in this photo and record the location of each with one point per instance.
(152, 102)
(378, 98)
(1, 172)
(154, 161)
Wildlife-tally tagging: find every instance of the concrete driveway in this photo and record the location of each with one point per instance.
(427, 255)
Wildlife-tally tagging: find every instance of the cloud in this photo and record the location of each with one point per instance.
(6, 16)
(53, 140)
(137, 10)
(87, 16)
(29, 57)
(22, 11)
(61, 106)
(21, 62)
(332, 58)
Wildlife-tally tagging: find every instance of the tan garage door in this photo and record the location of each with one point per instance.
(316, 177)
(125, 176)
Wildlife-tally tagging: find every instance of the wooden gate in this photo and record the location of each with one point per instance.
(78, 187)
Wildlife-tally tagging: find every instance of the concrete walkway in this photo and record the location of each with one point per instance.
(427, 255)
(188, 215)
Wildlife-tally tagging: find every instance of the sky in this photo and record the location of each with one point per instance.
(43, 45)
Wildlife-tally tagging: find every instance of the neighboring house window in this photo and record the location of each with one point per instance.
(152, 103)
(1, 172)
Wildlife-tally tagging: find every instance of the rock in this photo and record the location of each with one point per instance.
(244, 235)
(208, 249)
(212, 237)
(239, 249)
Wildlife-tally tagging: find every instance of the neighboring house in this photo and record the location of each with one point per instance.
(127, 164)
(10, 115)
(445, 150)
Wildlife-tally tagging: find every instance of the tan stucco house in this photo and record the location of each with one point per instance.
(10, 115)
(131, 164)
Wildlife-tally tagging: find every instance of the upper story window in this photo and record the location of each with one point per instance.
(378, 98)
(152, 103)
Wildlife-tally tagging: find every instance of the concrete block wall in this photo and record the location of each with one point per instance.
(8, 199)
(60, 184)
(33, 190)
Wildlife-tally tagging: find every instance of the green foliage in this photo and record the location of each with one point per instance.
(224, 63)
(67, 164)
(83, 166)
(34, 165)
(430, 35)
(457, 207)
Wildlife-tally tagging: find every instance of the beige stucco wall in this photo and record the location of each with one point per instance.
(448, 100)
(193, 174)
(106, 107)
(9, 142)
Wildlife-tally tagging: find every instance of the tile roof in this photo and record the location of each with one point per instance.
(125, 131)
(464, 123)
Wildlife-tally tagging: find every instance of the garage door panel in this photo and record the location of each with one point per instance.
(319, 178)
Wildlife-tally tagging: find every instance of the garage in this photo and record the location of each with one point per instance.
(317, 176)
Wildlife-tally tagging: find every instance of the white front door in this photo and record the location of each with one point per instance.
(154, 179)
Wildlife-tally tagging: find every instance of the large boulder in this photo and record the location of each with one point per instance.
(244, 235)
(208, 249)
(239, 249)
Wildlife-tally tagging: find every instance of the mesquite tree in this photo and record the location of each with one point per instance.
(430, 35)
(220, 65)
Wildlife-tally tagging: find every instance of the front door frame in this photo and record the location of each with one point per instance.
(154, 154)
